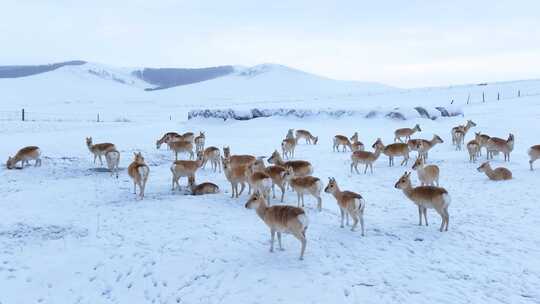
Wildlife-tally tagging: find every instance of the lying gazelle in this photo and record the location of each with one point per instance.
(496, 174)
(299, 167)
(25, 155)
(113, 160)
(459, 139)
(496, 145)
(238, 160)
(184, 168)
(259, 181)
(203, 188)
(182, 146)
(534, 154)
(350, 203)
(166, 138)
(287, 147)
(305, 184)
(356, 145)
(393, 150)
(138, 171)
(366, 158)
(473, 147)
(423, 146)
(235, 175)
(281, 219)
(482, 140)
(406, 132)
(99, 149)
(310, 139)
(426, 197)
(199, 142)
(428, 175)
(213, 155)
(341, 140)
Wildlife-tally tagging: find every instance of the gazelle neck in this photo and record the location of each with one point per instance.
(261, 210)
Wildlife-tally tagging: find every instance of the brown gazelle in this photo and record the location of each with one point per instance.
(139, 171)
(534, 154)
(356, 145)
(24, 155)
(426, 145)
(299, 167)
(235, 175)
(496, 145)
(428, 175)
(459, 136)
(182, 146)
(98, 149)
(366, 158)
(496, 174)
(184, 168)
(188, 136)
(482, 140)
(305, 134)
(199, 142)
(473, 147)
(350, 203)
(341, 140)
(277, 174)
(287, 147)
(113, 160)
(426, 197)
(166, 138)
(281, 219)
(203, 188)
(213, 155)
(406, 132)
(464, 129)
(305, 184)
(259, 181)
(393, 150)
(238, 160)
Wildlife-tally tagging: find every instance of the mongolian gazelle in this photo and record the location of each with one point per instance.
(166, 138)
(423, 146)
(305, 184)
(426, 197)
(350, 203)
(496, 145)
(356, 145)
(341, 140)
(428, 175)
(203, 188)
(406, 132)
(184, 168)
(288, 146)
(99, 149)
(366, 158)
(496, 174)
(280, 219)
(259, 181)
(299, 167)
(393, 150)
(182, 146)
(113, 160)
(458, 139)
(24, 155)
(534, 154)
(199, 142)
(238, 160)
(213, 155)
(310, 139)
(473, 147)
(235, 175)
(482, 140)
(138, 171)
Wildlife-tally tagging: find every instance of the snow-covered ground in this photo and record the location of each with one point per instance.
(73, 234)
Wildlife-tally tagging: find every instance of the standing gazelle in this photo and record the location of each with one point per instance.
(393, 150)
(428, 175)
(310, 139)
(341, 140)
(426, 197)
(288, 146)
(184, 168)
(473, 147)
(496, 145)
(199, 142)
(305, 184)
(281, 219)
(356, 145)
(366, 158)
(458, 139)
(534, 154)
(138, 171)
(213, 155)
(406, 132)
(24, 155)
(426, 145)
(113, 160)
(350, 203)
(99, 149)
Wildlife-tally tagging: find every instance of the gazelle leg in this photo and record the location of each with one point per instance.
(342, 217)
(424, 210)
(419, 216)
(272, 236)
(279, 240)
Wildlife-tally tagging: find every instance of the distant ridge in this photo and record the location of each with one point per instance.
(16, 71)
(164, 78)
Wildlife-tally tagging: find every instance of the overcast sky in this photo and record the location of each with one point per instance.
(401, 43)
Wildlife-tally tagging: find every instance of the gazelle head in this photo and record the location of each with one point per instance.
(288, 174)
(484, 167)
(315, 140)
(255, 200)
(378, 144)
(419, 163)
(417, 128)
(404, 181)
(471, 123)
(275, 157)
(354, 137)
(226, 151)
(138, 158)
(89, 141)
(332, 185)
(10, 164)
(510, 137)
(437, 139)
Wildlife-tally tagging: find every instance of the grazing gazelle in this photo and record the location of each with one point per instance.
(99, 149)
(235, 176)
(213, 155)
(426, 197)
(428, 175)
(341, 140)
(534, 154)
(199, 142)
(138, 171)
(280, 219)
(310, 139)
(184, 168)
(496, 174)
(406, 132)
(366, 158)
(423, 145)
(305, 184)
(464, 129)
(166, 138)
(299, 167)
(287, 147)
(259, 181)
(393, 150)
(482, 140)
(113, 160)
(238, 160)
(350, 203)
(203, 188)
(496, 145)
(182, 146)
(24, 155)
(356, 145)
(473, 147)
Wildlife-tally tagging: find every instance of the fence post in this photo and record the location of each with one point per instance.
(498, 96)
(519, 93)
(468, 98)
(483, 97)
(22, 114)
(98, 117)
